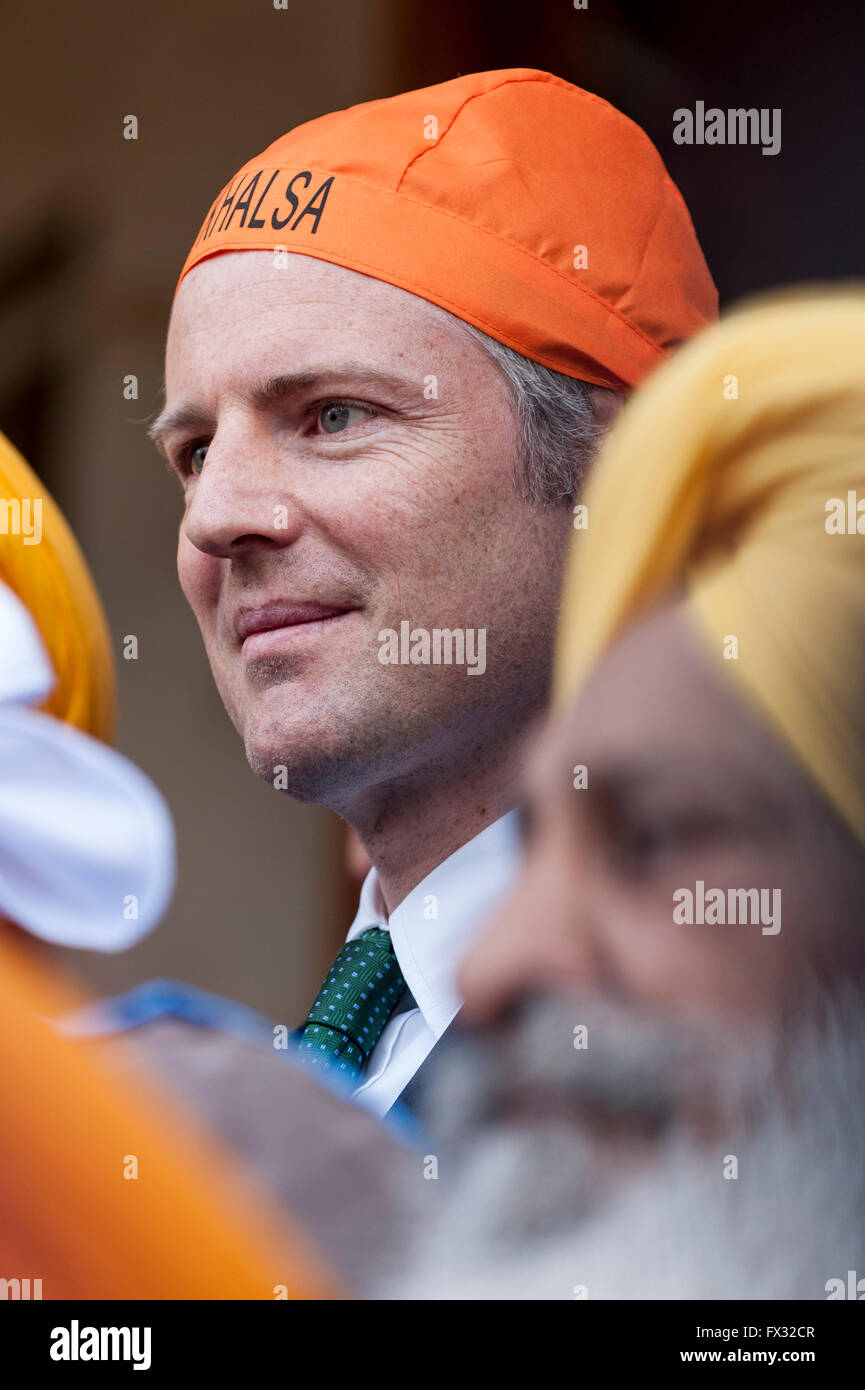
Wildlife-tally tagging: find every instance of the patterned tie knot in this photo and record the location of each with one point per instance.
(359, 994)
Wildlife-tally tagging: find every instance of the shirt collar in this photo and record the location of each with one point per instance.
(433, 926)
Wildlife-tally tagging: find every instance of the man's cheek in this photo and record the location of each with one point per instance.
(199, 577)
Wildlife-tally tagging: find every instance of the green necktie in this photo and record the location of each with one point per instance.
(361, 991)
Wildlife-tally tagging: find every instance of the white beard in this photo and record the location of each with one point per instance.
(546, 1207)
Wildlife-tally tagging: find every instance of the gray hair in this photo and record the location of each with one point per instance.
(561, 422)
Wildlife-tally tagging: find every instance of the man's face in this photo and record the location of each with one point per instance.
(623, 1051)
(347, 456)
(685, 784)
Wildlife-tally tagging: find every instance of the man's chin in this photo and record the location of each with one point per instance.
(307, 755)
(300, 767)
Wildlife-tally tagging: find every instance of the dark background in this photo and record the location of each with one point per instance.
(94, 230)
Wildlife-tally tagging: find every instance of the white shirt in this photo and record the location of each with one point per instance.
(430, 931)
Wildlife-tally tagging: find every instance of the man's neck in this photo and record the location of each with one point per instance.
(410, 828)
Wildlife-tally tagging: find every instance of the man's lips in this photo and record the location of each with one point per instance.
(259, 629)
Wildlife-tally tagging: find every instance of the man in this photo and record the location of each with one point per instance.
(395, 343)
(674, 1109)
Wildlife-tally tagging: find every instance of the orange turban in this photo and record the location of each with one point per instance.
(59, 593)
(102, 1197)
(529, 208)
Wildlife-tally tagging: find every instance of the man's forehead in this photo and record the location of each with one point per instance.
(655, 714)
(237, 316)
(577, 762)
(229, 288)
(638, 703)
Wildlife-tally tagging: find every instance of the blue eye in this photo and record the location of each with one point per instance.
(334, 417)
(197, 457)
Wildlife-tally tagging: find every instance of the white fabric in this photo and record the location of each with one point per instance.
(26, 677)
(86, 840)
(462, 891)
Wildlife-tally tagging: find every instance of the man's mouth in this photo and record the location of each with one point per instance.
(270, 626)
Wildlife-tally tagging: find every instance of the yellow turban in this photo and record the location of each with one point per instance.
(738, 471)
(52, 580)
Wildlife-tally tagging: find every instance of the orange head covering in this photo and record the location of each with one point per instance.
(524, 205)
(106, 1196)
(40, 562)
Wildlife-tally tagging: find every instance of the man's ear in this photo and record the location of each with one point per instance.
(606, 405)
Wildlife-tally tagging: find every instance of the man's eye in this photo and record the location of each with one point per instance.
(639, 847)
(336, 416)
(194, 458)
(653, 841)
(649, 844)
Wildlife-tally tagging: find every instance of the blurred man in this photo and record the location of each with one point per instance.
(86, 841)
(395, 343)
(670, 1101)
(87, 860)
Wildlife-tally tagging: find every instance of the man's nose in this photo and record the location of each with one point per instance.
(241, 497)
(540, 938)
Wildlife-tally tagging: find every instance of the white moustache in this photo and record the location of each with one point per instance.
(590, 1061)
(539, 1207)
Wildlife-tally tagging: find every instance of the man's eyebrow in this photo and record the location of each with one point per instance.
(623, 775)
(277, 388)
(732, 782)
(273, 389)
(177, 417)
